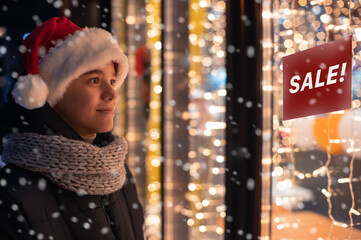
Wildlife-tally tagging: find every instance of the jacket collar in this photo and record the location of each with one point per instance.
(54, 123)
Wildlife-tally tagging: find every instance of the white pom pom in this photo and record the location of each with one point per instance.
(30, 91)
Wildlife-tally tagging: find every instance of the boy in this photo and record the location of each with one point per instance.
(65, 176)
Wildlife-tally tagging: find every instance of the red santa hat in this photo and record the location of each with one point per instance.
(57, 52)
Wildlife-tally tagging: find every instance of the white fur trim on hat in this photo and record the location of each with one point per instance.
(85, 50)
(30, 91)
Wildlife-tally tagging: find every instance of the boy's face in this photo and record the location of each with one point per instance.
(89, 102)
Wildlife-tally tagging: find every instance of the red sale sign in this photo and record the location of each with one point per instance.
(318, 80)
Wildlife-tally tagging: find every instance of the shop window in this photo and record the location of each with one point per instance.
(311, 166)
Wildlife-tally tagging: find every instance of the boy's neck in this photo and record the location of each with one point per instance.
(89, 139)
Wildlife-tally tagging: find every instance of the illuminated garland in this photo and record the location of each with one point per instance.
(266, 193)
(206, 113)
(118, 24)
(153, 142)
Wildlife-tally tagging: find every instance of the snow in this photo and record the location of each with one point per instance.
(248, 236)
(251, 51)
(14, 207)
(312, 101)
(86, 225)
(104, 230)
(67, 13)
(58, 4)
(21, 218)
(42, 184)
(74, 219)
(14, 75)
(75, 3)
(135, 206)
(3, 51)
(251, 184)
(40, 236)
(22, 181)
(231, 49)
(3, 182)
(91, 205)
(55, 214)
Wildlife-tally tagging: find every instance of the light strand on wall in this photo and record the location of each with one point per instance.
(352, 208)
(267, 88)
(266, 196)
(206, 113)
(196, 32)
(118, 25)
(153, 142)
(328, 193)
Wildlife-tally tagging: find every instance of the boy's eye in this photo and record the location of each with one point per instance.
(94, 80)
(112, 82)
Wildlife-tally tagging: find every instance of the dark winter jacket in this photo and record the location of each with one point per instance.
(32, 207)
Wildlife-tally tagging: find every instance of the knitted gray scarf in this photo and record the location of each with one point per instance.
(74, 165)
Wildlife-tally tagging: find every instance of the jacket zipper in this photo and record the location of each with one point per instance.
(101, 198)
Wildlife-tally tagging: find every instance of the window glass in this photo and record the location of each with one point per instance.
(311, 166)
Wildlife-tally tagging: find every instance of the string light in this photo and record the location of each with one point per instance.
(153, 142)
(206, 112)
